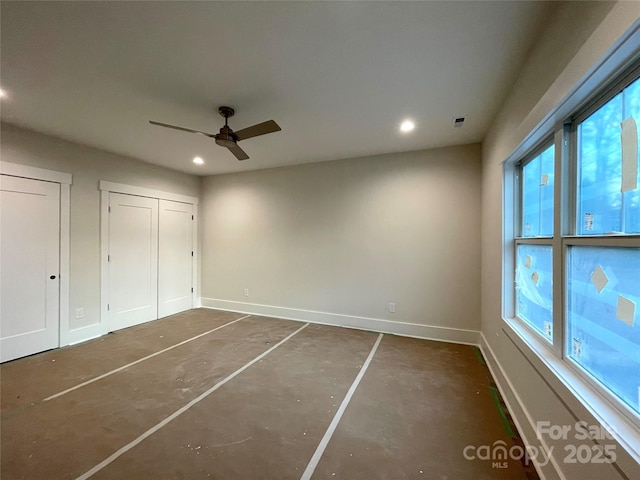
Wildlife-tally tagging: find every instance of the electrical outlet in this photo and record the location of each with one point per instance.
(246, 292)
(392, 308)
(79, 312)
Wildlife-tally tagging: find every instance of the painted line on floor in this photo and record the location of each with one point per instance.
(124, 367)
(179, 412)
(315, 459)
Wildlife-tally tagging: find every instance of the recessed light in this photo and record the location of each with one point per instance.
(3, 94)
(198, 161)
(407, 126)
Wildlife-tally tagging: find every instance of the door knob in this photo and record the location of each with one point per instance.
(52, 277)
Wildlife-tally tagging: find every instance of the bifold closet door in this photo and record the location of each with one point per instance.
(29, 266)
(132, 260)
(175, 258)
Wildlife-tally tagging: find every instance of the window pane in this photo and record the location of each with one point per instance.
(537, 195)
(603, 333)
(534, 287)
(603, 206)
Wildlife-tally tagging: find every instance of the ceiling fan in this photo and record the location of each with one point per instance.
(227, 137)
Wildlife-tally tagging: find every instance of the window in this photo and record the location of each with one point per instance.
(607, 205)
(578, 222)
(534, 291)
(537, 195)
(603, 332)
(533, 280)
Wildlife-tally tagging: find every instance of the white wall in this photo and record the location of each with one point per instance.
(577, 36)
(346, 238)
(88, 166)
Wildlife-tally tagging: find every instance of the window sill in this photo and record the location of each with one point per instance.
(583, 398)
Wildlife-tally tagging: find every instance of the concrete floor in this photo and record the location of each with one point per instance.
(417, 407)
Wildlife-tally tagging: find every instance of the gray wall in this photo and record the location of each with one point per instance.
(349, 237)
(577, 36)
(88, 166)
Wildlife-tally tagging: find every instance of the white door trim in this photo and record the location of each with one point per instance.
(108, 187)
(65, 180)
(145, 192)
(196, 262)
(35, 173)
(65, 233)
(104, 265)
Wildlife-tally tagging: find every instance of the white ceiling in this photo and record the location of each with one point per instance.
(338, 77)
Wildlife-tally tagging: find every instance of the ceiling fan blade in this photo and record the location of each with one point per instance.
(260, 129)
(238, 152)
(175, 127)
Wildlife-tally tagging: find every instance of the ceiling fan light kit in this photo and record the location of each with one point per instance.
(227, 137)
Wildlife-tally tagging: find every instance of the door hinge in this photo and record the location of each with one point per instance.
(108, 258)
(192, 253)
(192, 217)
(107, 307)
(109, 208)
(191, 289)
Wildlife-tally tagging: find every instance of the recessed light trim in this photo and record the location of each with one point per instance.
(198, 160)
(407, 126)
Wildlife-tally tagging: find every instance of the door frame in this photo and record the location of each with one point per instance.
(106, 188)
(65, 181)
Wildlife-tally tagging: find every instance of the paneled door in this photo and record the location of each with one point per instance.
(132, 260)
(29, 266)
(175, 258)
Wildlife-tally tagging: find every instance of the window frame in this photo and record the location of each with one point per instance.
(572, 238)
(520, 239)
(602, 96)
(561, 129)
(612, 241)
(538, 150)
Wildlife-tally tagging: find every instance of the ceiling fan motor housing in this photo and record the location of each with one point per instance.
(226, 138)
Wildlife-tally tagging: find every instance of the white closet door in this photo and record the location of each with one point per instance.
(133, 260)
(175, 258)
(29, 266)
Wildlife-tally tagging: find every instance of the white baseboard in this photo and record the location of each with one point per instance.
(520, 415)
(83, 334)
(429, 332)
